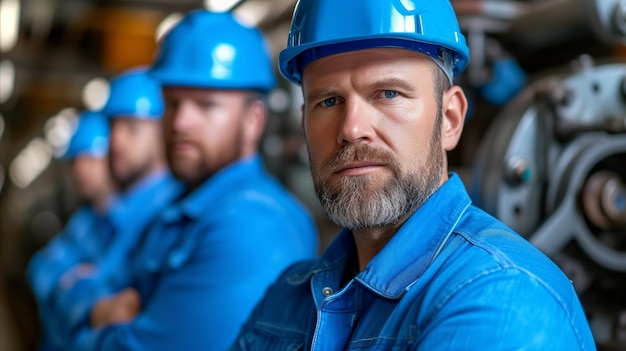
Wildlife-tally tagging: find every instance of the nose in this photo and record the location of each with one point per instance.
(356, 126)
(117, 136)
(180, 116)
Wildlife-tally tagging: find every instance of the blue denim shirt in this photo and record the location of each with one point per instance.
(207, 261)
(103, 241)
(451, 278)
(81, 240)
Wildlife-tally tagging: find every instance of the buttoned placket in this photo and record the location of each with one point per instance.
(336, 313)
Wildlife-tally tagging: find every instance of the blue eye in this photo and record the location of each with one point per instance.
(390, 94)
(206, 105)
(329, 102)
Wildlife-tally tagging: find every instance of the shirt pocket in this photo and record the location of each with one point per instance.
(382, 344)
(268, 337)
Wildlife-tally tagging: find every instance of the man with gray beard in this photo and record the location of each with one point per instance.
(353, 205)
(416, 266)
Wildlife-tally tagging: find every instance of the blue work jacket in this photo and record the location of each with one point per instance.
(208, 260)
(104, 242)
(80, 241)
(451, 278)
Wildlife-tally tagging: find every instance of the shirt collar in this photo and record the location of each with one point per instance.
(222, 182)
(134, 200)
(411, 250)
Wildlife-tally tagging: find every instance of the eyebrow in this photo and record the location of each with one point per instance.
(391, 83)
(386, 83)
(320, 94)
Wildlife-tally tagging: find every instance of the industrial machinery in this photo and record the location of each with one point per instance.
(553, 167)
(552, 164)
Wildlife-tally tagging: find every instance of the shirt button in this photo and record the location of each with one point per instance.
(327, 291)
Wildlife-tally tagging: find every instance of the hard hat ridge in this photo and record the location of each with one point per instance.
(321, 28)
(214, 50)
(90, 138)
(135, 94)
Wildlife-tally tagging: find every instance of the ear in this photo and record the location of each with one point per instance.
(302, 120)
(253, 125)
(454, 108)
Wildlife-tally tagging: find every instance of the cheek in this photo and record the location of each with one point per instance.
(319, 151)
(114, 142)
(145, 139)
(409, 143)
(100, 166)
(122, 141)
(321, 138)
(77, 173)
(167, 131)
(86, 176)
(206, 134)
(154, 139)
(209, 137)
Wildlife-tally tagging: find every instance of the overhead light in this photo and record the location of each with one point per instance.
(1, 177)
(7, 80)
(220, 5)
(1, 168)
(9, 24)
(59, 129)
(30, 163)
(279, 101)
(1, 125)
(168, 23)
(252, 13)
(96, 93)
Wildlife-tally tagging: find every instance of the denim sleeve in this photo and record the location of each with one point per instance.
(75, 306)
(44, 273)
(210, 283)
(50, 262)
(506, 310)
(75, 303)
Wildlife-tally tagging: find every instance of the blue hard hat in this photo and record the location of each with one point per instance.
(90, 138)
(322, 28)
(134, 93)
(213, 50)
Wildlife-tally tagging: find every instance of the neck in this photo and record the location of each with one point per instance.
(158, 165)
(102, 200)
(369, 242)
(131, 182)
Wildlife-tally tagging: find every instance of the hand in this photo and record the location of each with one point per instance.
(120, 308)
(76, 273)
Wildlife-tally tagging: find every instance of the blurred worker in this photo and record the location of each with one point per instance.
(83, 237)
(137, 164)
(209, 257)
(416, 267)
(137, 161)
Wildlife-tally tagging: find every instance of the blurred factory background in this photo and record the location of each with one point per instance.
(544, 148)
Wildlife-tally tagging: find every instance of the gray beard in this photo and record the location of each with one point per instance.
(356, 203)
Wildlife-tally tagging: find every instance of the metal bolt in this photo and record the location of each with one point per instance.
(604, 199)
(518, 171)
(614, 200)
(619, 18)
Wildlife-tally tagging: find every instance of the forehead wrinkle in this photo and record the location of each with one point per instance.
(321, 93)
(391, 83)
(370, 75)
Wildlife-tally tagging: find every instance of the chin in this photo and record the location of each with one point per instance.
(186, 174)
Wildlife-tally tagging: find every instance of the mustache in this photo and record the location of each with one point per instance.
(181, 138)
(360, 153)
(115, 154)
